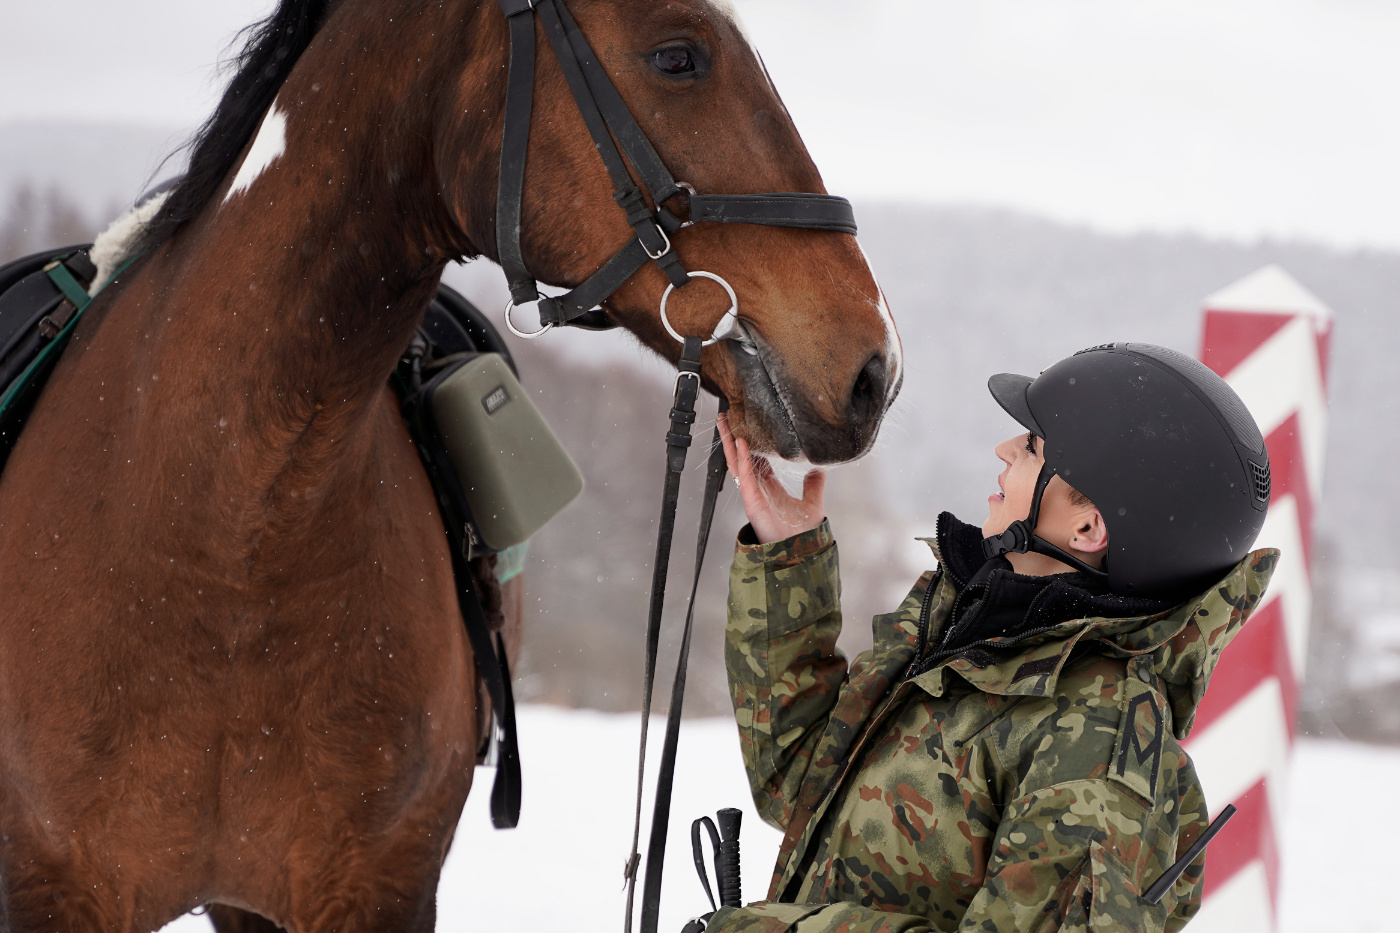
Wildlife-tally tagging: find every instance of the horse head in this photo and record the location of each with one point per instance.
(397, 111)
(814, 360)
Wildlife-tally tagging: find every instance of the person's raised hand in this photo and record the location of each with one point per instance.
(771, 510)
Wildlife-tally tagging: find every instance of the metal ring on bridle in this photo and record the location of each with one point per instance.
(722, 329)
(511, 306)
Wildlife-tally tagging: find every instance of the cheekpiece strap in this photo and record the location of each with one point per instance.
(515, 146)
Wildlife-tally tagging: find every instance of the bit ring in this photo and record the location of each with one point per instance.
(727, 324)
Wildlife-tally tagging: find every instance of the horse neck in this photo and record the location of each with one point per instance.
(279, 313)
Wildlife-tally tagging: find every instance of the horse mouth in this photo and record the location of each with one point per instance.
(789, 420)
(754, 361)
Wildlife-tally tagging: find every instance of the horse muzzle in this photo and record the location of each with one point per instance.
(784, 414)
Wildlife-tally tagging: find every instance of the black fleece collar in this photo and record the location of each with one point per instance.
(996, 602)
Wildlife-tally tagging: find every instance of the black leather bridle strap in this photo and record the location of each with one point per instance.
(583, 95)
(678, 442)
(666, 773)
(515, 144)
(583, 76)
(807, 211)
(656, 178)
(567, 308)
(640, 152)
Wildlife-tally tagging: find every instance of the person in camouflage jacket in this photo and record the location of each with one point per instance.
(1007, 755)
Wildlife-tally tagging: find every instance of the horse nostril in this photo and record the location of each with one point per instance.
(869, 389)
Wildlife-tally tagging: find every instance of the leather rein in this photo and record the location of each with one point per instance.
(615, 132)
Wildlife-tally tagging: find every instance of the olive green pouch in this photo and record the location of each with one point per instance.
(513, 473)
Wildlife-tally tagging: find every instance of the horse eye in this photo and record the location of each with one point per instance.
(675, 60)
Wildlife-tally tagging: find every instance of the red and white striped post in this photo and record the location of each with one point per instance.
(1269, 338)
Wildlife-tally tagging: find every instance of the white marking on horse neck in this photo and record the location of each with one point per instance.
(894, 350)
(268, 145)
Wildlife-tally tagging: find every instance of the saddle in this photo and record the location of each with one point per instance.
(467, 415)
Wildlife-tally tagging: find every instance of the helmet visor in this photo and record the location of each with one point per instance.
(1010, 392)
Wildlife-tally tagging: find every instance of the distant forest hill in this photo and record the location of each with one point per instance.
(974, 291)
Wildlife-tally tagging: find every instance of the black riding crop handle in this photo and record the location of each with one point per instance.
(727, 862)
(726, 847)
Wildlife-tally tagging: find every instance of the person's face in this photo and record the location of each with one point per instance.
(1076, 528)
(1021, 459)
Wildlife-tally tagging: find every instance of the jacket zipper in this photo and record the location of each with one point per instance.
(924, 613)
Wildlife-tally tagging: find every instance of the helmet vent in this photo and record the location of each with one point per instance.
(1262, 481)
(1102, 346)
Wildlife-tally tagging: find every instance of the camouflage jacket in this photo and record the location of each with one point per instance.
(1030, 782)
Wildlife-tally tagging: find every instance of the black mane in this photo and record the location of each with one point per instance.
(270, 49)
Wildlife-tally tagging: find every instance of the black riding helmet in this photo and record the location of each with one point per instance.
(1165, 449)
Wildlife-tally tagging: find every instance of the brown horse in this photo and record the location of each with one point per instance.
(232, 666)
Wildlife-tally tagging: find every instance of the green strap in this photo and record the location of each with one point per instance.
(70, 286)
(54, 346)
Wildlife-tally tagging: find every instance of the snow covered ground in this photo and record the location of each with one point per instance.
(561, 869)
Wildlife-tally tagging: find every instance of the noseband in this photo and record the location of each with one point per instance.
(611, 124)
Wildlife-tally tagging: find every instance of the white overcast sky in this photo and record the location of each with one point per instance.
(1233, 118)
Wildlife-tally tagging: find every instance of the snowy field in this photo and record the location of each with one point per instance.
(561, 869)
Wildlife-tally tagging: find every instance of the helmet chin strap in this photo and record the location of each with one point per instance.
(1020, 536)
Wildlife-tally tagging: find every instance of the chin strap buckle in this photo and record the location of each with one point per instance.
(1015, 539)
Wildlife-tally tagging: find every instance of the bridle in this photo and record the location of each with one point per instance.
(615, 133)
(611, 125)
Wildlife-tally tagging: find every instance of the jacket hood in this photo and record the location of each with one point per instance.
(1175, 650)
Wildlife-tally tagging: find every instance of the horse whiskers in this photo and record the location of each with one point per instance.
(790, 473)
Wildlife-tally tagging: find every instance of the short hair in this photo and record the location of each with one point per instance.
(1078, 499)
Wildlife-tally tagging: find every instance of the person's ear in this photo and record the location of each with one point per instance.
(1090, 533)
